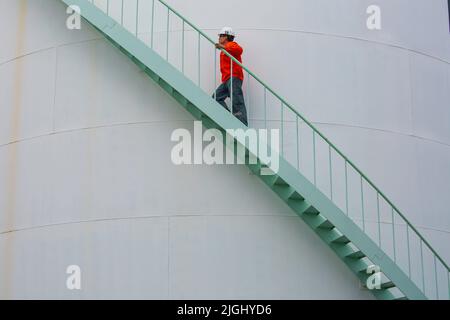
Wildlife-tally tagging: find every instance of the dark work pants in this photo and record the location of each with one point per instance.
(224, 91)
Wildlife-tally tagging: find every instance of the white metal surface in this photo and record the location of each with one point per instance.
(85, 171)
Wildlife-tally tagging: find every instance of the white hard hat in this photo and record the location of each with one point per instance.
(228, 31)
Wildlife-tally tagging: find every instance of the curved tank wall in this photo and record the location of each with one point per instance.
(85, 152)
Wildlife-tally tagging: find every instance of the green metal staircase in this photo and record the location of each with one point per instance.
(364, 232)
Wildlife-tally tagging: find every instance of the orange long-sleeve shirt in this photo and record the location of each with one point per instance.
(225, 62)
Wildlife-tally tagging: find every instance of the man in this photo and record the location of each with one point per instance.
(231, 83)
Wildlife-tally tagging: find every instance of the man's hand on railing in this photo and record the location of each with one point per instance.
(219, 46)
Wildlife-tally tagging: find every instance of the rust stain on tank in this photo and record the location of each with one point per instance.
(12, 150)
(87, 239)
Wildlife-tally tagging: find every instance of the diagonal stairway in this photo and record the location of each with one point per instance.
(409, 267)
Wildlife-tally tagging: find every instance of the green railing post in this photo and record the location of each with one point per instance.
(215, 74)
(314, 160)
(331, 172)
(448, 283)
(423, 269)
(298, 142)
(248, 98)
(409, 253)
(393, 234)
(265, 108)
(362, 206)
(199, 60)
(436, 278)
(346, 188)
(182, 47)
(121, 14)
(282, 128)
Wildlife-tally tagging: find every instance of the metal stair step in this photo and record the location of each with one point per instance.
(383, 286)
(181, 99)
(329, 236)
(326, 225)
(388, 285)
(342, 250)
(317, 221)
(207, 122)
(356, 255)
(254, 168)
(139, 63)
(280, 182)
(358, 266)
(167, 87)
(269, 176)
(268, 179)
(296, 196)
(152, 75)
(383, 294)
(284, 191)
(302, 208)
(125, 52)
(194, 111)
